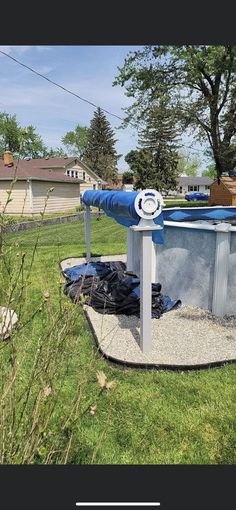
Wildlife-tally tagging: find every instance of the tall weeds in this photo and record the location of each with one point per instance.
(42, 397)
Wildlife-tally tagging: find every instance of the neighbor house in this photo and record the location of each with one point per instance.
(198, 183)
(118, 185)
(34, 177)
(224, 192)
(32, 182)
(184, 184)
(71, 167)
(75, 168)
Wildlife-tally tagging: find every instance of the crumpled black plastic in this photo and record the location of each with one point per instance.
(117, 292)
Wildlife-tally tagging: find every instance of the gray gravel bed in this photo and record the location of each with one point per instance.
(187, 336)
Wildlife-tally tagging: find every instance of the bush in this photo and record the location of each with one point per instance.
(80, 208)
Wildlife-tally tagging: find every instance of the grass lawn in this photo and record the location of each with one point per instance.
(149, 416)
(36, 217)
(172, 202)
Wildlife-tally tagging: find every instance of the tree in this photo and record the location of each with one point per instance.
(210, 171)
(149, 170)
(9, 133)
(155, 164)
(100, 154)
(77, 140)
(201, 84)
(127, 177)
(33, 145)
(188, 166)
(58, 152)
(20, 141)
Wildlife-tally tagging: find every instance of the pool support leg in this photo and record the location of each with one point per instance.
(145, 228)
(87, 233)
(146, 292)
(221, 271)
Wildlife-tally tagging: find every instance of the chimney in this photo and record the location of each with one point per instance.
(8, 158)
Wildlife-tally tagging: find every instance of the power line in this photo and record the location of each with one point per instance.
(58, 85)
(76, 95)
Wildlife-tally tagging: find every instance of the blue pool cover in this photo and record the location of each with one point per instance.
(120, 206)
(199, 213)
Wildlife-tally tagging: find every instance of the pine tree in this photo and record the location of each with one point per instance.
(155, 163)
(100, 154)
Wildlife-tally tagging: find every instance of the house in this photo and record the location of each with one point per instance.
(72, 167)
(77, 169)
(68, 176)
(118, 185)
(198, 183)
(128, 187)
(33, 180)
(224, 192)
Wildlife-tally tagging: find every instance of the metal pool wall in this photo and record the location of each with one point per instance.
(197, 264)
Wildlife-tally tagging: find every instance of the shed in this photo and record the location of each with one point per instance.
(224, 192)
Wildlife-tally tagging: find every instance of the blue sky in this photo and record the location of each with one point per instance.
(86, 70)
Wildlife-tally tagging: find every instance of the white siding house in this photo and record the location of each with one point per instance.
(198, 183)
(29, 182)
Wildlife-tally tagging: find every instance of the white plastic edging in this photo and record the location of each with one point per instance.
(198, 226)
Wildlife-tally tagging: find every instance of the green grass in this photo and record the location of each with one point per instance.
(150, 416)
(37, 217)
(184, 203)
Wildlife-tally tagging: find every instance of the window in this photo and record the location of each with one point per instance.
(207, 187)
(76, 175)
(181, 189)
(68, 172)
(193, 188)
(72, 173)
(83, 176)
(94, 186)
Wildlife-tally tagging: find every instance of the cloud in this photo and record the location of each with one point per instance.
(44, 69)
(41, 49)
(20, 50)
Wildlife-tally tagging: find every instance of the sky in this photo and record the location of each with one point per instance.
(86, 70)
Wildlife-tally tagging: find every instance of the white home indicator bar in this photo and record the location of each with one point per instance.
(119, 504)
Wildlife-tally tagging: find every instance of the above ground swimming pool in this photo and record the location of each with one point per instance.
(197, 262)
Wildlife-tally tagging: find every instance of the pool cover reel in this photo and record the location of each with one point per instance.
(123, 207)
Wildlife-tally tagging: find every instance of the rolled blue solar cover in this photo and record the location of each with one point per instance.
(199, 213)
(120, 206)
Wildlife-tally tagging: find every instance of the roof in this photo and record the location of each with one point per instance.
(88, 169)
(195, 181)
(33, 169)
(229, 183)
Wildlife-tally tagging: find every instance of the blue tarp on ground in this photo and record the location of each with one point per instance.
(120, 206)
(88, 269)
(114, 291)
